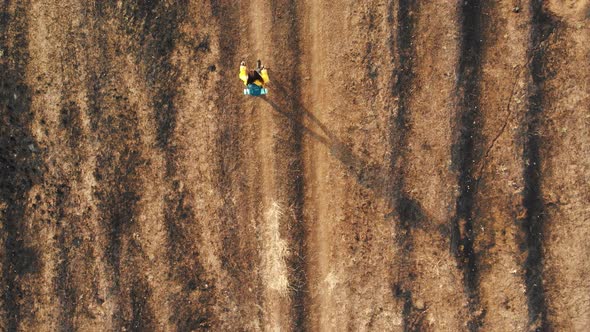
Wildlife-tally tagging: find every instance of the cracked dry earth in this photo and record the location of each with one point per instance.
(416, 166)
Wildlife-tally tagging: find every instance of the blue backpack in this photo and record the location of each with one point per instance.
(255, 90)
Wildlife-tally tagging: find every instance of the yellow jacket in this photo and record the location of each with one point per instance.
(244, 76)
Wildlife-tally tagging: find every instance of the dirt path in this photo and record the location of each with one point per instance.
(564, 139)
(328, 297)
(499, 170)
(430, 186)
(274, 211)
(319, 250)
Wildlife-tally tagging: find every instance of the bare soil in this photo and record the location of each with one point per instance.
(416, 166)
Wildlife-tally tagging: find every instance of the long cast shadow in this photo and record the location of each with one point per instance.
(371, 176)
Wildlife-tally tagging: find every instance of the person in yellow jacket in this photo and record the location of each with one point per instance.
(254, 80)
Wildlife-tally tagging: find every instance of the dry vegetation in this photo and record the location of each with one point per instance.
(416, 166)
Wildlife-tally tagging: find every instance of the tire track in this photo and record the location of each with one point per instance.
(431, 193)
(347, 233)
(320, 250)
(369, 103)
(465, 153)
(70, 230)
(226, 143)
(234, 169)
(118, 173)
(58, 208)
(65, 288)
(564, 139)
(408, 212)
(74, 237)
(149, 275)
(287, 53)
(150, 255)
(272, 209)
(20, 164)
(159, 33)
(498, 176)
(199, 141)
(176, 236)
(99, 69)
(533, 224)
(98, 98)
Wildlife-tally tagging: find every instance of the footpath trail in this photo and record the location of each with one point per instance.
(416, 166)
(562, 138)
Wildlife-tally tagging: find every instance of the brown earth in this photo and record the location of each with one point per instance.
(416, 166)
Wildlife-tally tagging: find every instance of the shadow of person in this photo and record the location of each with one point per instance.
(372, 176)
(369, 175)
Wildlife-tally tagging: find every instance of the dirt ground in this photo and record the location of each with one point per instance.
(416, 166)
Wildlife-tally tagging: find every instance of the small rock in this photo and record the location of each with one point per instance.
(516, 9)
(419, 304)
